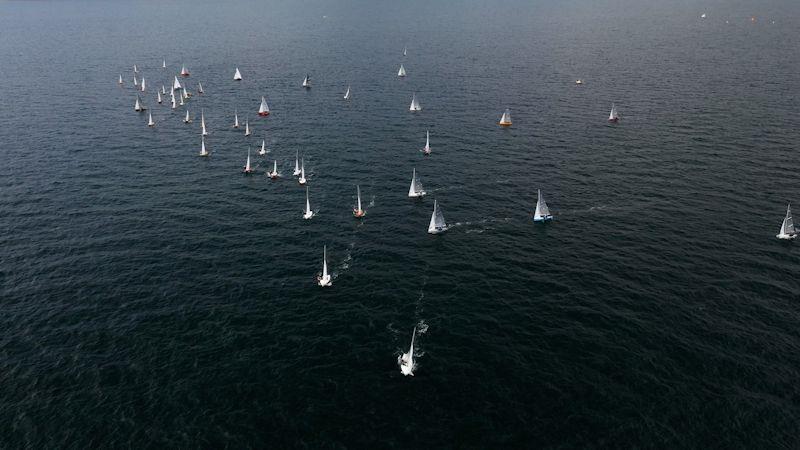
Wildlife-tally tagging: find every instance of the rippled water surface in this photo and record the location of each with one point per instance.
(151, 298)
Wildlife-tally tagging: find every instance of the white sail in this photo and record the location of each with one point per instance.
(307, 214)
(238, 75)
(505, 120)
(307, 81)
(135, 70)
(176, 84)
(542, 212)
(172, 99)
(203, 151)
(437, 223)
(324, 279)
(164, 64)
(185, 93)
(203, 123)
(200, 88)
(402, 71)
(427, 148)
(296, 164)
(405, 51)
(263, 109)
(246, 128)
(143, 85)
(274, 168)
(347, 93)
(613, 116)
(135, 80)
(235, 119)
(788, 230)
(302, 179)
(158, 97)
(415, 190)
(138, 106)
(247, 168)
(184, 72)
(414, 103)
(163, 90)
(357, 211)
(406, 360)
(120, 79)
(263, 150)
(150, 122)
(187, 119)
(181, 101)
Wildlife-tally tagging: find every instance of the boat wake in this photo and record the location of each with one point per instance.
(345, 264)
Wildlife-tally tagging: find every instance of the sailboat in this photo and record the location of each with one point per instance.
(246, 128)
(185, 92)
(143, 85)
(200, 88)
(505, 120)
(274, 173)
(176, 84)
(347, 93)
(158, 97)
(415, 190)
(135, 70)
(542, 212)
(406, 360)
(437, 224)
(427, 149)
(247, 169)
(184, 72)
(120, 80)
(135, 80)
(787, 227)
(163, 90)
(263, 110)
(405, 51)
(414, 103)
(263, 150)
(164, 64)
(357, 211)
(139, 107)
(172, 99)
(579, 82)
(307, 214)
(180, 96)
(402, 72)
(187, 119)
(237, 76)
(307, 82)
(703, 16)
(324, 279)
(302, 179)
(203, 123)
(613, 117)
(235, 119)
(203, 151)
(296, 164)
(150, 122)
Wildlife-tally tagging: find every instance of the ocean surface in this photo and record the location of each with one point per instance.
(150, 298)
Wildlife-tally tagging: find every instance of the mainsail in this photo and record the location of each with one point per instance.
(237, 76)
(263, 110)
(437, 223)
(402, 71)
(414, 103)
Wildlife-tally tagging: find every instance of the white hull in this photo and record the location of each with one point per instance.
(308, 215)
(301, 180)
(786, 236)
(324, 281)
(542, 218)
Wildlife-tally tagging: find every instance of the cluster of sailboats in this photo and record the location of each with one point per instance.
(179, 94)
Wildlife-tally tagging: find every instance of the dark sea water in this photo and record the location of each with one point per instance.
(151, 298)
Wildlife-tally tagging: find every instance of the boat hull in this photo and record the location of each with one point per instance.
(263, 114)
(542, 218)
(613, 120)
(359, 213)
(324, 282)
(302, 181)
(505, 124)
(786, 237)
